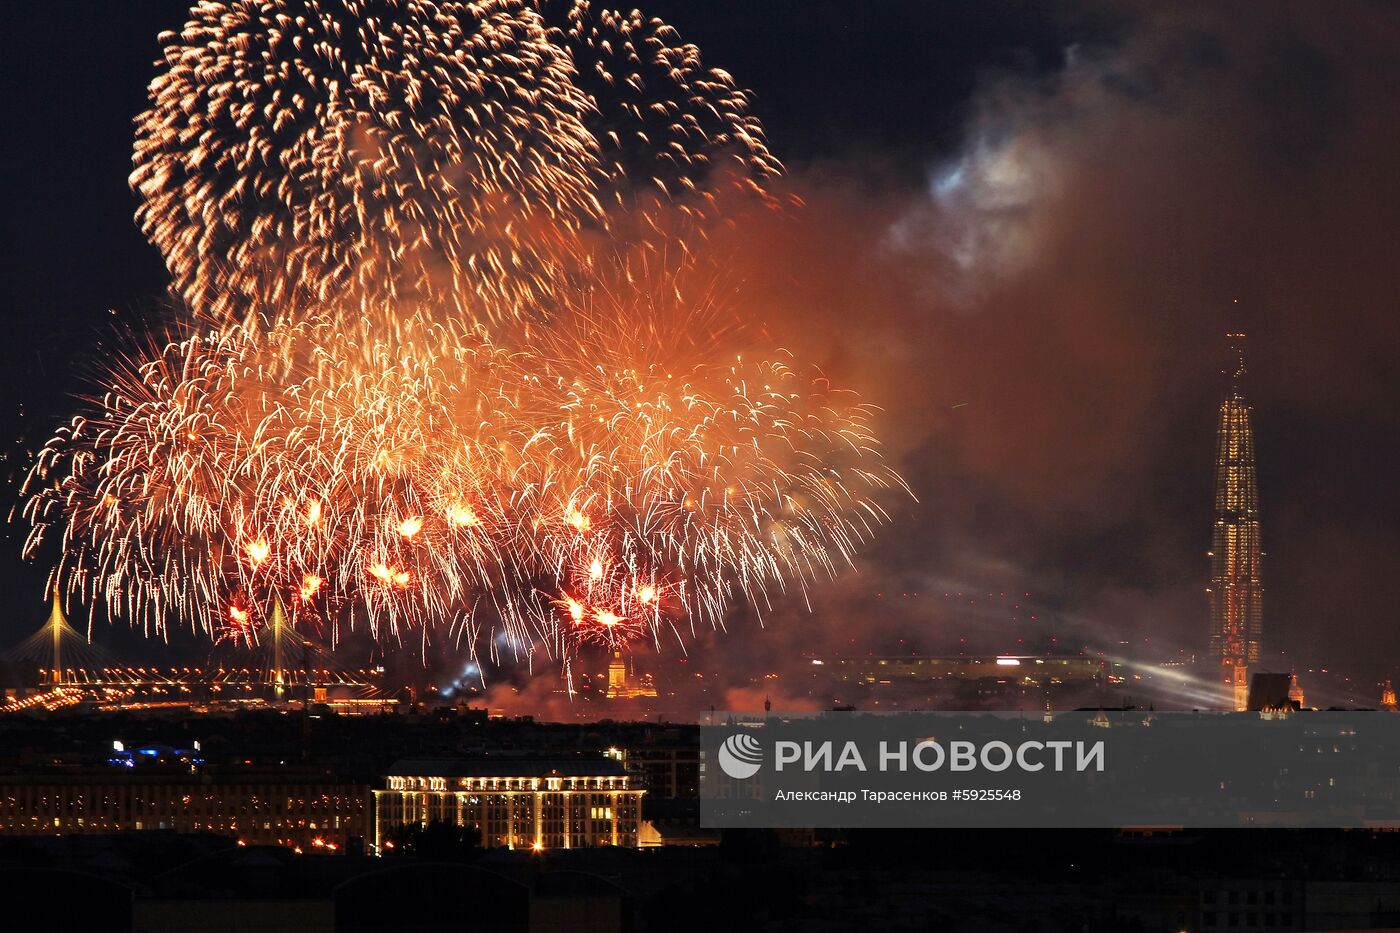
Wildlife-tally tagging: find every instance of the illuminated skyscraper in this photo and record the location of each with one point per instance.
(1236, 596)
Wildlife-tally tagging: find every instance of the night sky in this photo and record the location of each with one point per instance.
(1027, 229)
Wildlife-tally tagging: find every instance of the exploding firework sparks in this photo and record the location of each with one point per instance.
(672, 134)
(459, 153)
(426, 419)
(574, 493)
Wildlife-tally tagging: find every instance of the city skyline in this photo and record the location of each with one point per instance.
(1234, 591)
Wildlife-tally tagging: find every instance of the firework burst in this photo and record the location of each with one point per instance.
(606, 490)
(463, 154)
(442, 374)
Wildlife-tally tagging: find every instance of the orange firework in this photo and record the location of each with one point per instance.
(458, 153)
(397, 400)
(644, 479)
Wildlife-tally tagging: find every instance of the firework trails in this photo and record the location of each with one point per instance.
(474, 154)
(443, 371)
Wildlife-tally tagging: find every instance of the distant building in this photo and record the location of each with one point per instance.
(1236, 594)
(666, 770)
(1040, 669)
(664, 832)
(623, 684)
(1273, 904)
(1295, 692)
(665, 761)
(525, 803)
(301, 808)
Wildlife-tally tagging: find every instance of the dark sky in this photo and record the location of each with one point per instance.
(1027, 226)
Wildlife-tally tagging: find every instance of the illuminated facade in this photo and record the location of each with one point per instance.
(623, 684)
(1236, 596)
(284, 807)
(515, 804)
(1295, 692)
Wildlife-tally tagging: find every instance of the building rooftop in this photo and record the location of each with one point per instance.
(506, 767)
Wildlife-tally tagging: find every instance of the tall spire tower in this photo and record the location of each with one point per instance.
(1236, 596)
(57, 625)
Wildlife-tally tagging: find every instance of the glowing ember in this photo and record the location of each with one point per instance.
(258, 551)
(462, 517)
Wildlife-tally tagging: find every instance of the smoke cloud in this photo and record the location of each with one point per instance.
(1040, 313)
